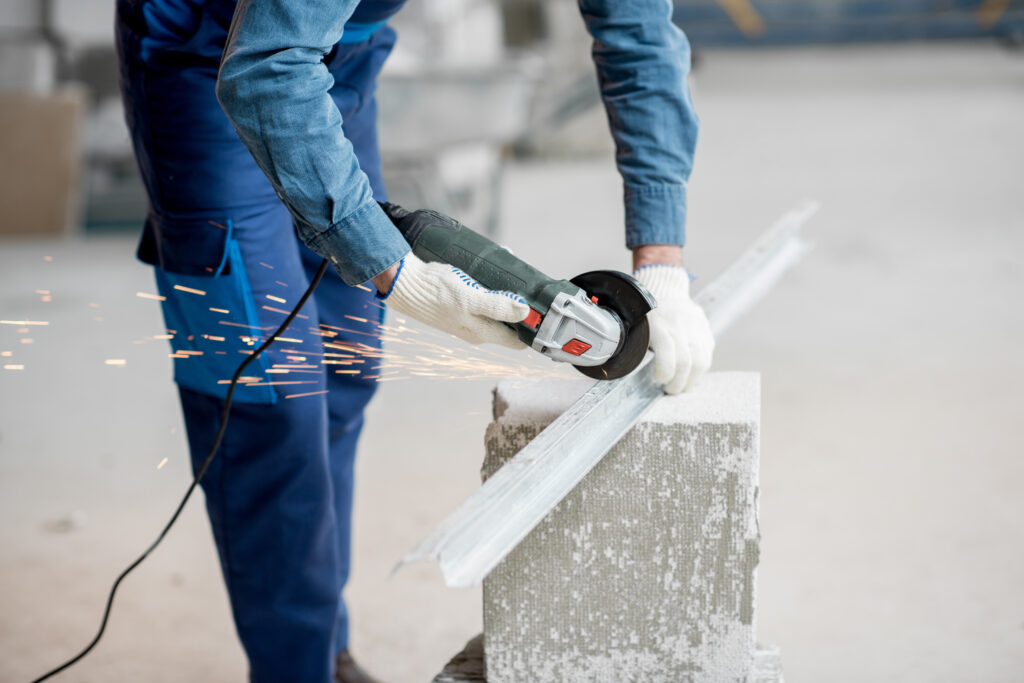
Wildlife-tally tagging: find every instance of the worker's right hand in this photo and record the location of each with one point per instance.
(445, 298)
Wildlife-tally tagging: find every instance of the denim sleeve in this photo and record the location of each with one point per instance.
(642, 60)
(274, 86)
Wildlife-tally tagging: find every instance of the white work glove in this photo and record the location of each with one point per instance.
(445, 298)
(680, 334)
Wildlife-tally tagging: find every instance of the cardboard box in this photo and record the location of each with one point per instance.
(40, 162)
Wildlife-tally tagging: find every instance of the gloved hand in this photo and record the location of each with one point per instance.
(680, 334)
(445, 298)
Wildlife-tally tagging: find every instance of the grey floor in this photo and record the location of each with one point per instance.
(892, 464)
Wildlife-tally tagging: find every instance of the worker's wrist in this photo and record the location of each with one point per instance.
(657, 254)
(385, 280)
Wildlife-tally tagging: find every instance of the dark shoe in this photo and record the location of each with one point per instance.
(347, 671)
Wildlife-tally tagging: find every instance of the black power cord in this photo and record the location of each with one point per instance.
(225, 414)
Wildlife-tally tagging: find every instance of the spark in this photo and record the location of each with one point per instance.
(277, 383)
(312, 393)
(245, 325)
(23, 322)
(162, 463)
(212, 337)
(266, 265)
(115, 361)
(27, 340)
(220, 310)
(278, 310)
(278, 282)
(277, 299)
(190, 353)
(6, 354)
(43, 291)
(154, 297)
(388, 352)
(323, 333)
(48, 258)
(14, 366)
(364, 288)
(46, 298)
(93, 305)
(345, 329)
(217, 225)
(163, 336)
(190, 290)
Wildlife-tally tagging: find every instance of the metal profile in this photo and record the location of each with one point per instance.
(484, 529)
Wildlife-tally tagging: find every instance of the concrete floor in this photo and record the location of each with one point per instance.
(893, 379)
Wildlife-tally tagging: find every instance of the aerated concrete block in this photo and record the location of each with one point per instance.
(645, 571)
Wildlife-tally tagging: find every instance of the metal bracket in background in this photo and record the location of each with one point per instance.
(481, 532)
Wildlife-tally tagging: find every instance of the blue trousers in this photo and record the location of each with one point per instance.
(279, 492)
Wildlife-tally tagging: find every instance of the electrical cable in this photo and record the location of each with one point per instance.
(225, 414)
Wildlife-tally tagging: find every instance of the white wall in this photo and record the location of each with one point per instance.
(85, 22)
(19, 16)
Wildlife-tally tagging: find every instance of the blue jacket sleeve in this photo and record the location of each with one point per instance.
(642, 60)
(274, 86)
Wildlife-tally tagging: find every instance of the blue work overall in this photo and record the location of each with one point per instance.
(226, 257)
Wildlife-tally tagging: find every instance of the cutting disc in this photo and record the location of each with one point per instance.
(630, 302)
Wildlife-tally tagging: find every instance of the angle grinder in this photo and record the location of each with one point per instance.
(596, 321)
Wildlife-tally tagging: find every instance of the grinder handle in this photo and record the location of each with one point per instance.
(436, 237)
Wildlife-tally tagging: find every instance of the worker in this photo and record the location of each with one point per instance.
(254, 126)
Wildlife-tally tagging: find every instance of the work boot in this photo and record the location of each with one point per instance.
(347, 671)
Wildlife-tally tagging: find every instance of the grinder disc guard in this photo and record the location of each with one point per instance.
(627, 299)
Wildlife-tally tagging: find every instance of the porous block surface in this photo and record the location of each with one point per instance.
(645, 571)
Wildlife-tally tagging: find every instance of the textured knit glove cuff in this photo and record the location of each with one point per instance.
(662, 279)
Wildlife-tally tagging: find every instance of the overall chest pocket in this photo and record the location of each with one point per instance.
(208, 306)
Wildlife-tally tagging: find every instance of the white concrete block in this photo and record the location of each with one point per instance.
(646, 571)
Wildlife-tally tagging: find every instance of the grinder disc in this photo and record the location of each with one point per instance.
(627, 299)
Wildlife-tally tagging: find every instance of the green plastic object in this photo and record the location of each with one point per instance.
(436, 237)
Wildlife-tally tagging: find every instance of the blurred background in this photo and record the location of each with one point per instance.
(892, 458)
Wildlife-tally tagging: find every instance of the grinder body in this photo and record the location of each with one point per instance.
(597, 321)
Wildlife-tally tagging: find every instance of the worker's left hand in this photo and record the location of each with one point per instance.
(680, 334)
